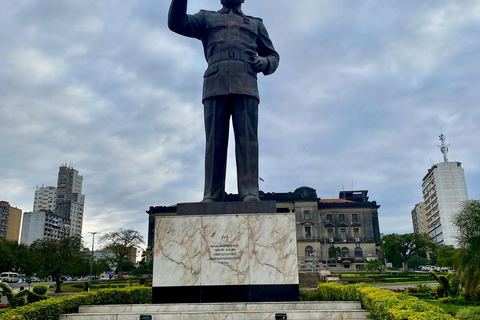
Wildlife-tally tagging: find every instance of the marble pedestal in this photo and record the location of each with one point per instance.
(225, 258)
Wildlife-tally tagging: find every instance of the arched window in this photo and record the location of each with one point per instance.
(308, 251)
(358, 252)
(345, 252)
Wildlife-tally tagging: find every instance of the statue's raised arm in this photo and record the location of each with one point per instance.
(182, 23)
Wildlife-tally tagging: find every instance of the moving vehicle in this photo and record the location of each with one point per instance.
(9, 277)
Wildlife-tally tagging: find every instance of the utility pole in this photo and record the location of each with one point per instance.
(91, 260)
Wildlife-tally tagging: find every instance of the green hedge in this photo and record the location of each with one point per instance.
(469, 313)
(383, 304)
(51, 309)
(16, 300)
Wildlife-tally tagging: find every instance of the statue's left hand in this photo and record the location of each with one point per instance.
(259, 63)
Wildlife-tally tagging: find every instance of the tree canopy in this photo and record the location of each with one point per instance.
(399, 248)
(121, 244)
(58, 258)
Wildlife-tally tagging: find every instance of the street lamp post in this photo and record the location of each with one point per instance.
(91, 260)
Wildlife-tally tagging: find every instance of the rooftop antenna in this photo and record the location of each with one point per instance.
(443, 147)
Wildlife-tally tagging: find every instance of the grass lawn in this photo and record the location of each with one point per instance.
(75, 287)
(385, 277)
(448, 307)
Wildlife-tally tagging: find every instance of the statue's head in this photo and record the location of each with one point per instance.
(231, 3)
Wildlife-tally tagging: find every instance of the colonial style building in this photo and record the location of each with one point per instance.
(341, 232)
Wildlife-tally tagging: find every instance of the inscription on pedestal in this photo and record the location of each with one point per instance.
(223, 253)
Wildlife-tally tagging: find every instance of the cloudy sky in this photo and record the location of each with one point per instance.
(359, 99)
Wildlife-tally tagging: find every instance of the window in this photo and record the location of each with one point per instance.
(355, 217)
(345, 252)
(342, 217)
(329, 217)
(343, 233)
(358, 252)
(356, 232)
(308, 231)
(308, 251)
(330, 233)
(306, 215)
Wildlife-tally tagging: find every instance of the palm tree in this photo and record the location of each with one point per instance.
(467, 220)
(334, 252)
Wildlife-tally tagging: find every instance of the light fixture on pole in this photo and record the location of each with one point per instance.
(91, 260)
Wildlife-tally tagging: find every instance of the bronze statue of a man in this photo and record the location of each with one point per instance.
(236, 47)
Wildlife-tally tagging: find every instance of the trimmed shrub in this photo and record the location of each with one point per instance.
(310, 295)
(51, 309)
(423, 296)
(383, 304)
(469, 313)
(339, 292)
(40, 289)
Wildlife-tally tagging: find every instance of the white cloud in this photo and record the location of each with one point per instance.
(36, 67)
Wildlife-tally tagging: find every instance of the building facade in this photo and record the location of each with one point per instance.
(10, 221)
(444, 189)
(331, 233)
(45, 199)
(419, 218)
(43, 225)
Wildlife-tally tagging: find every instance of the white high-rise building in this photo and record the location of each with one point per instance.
(45, 199)
(444, 190)
(43, 225)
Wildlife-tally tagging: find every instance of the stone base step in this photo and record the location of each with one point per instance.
(232, 315)
(224, 311)
(234, 306)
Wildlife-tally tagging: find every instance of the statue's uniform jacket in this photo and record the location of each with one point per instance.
(230, 40)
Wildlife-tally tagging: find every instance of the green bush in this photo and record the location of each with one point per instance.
(469, 313)
(421, 295)
(51, 309)
(382, 303)
(423, 288)
(339, 292)
(308, 295)
(40, 289)
(16, 300)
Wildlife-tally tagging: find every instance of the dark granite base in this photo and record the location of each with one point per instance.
(201, 208)
(212, 294)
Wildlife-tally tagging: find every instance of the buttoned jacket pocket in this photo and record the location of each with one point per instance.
(248, 36)
(216, 32)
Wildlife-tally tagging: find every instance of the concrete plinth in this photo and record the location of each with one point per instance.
(228, 257)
